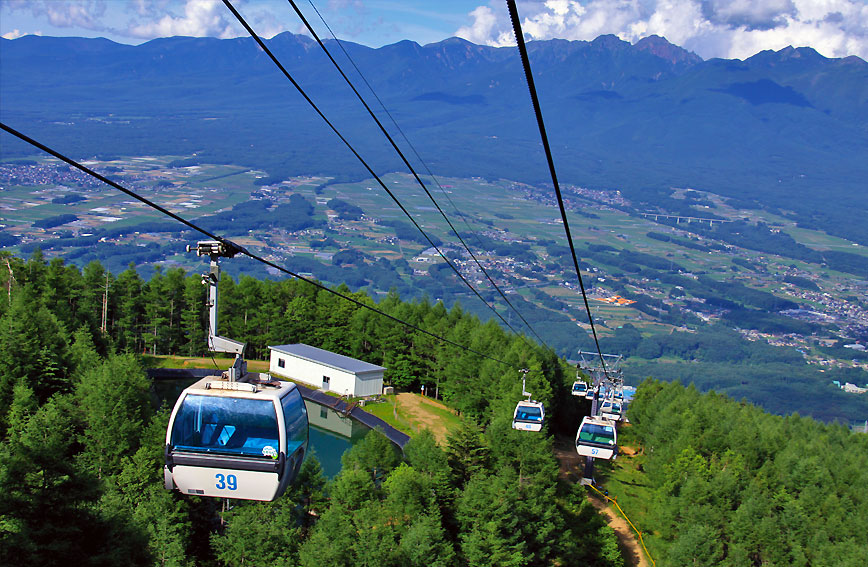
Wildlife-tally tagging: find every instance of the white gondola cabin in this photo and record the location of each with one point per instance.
(243, 440)
(529, 416)
(597, 438)
(580, 388)
(611, 409)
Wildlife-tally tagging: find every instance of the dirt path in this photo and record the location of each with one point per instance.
(631, 551)
(413, 407)
(571, 465)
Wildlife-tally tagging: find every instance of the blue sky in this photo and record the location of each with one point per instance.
(711, 28)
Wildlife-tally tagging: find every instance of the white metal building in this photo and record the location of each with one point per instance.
(326, 370)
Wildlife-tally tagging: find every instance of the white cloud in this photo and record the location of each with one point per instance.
(147, 18)
(14, 34)
(267, 25)
(486, 29)
(86, 14)
(148, 8)
(200, 18)
(748, 13)
(336, 5)
(711, 28)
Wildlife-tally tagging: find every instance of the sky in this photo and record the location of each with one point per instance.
(709, 28)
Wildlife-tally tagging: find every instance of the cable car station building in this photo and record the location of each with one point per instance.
(326, 370)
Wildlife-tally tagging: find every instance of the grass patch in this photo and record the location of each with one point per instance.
(171, 361)
(388, 412)
(411, 413)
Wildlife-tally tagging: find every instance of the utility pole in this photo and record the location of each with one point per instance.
(9, 282)
(104, 323)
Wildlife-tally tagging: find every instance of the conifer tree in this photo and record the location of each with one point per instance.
(115, 403)
(127, 296)
(467, 452)
(46, 513)
(33, 348)
(193, 316)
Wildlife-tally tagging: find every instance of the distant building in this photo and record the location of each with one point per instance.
(326, 370)
(427, 255)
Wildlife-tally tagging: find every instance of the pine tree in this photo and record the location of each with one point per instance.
(467, 452)
(426, 544)
(375, 454)
(94, 281)
(33, 348)
(157, 302)
(490, 530)
(114, 400)
(126, 293)
(46, 513)
(259, 533)
(193, 316)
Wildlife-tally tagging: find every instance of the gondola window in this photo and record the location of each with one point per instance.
(234, 426)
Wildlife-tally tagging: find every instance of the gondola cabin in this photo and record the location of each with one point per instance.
(580, 388)
(529, 416)
(589, 395)
(243, 440)
(597, 438)
(611, 409)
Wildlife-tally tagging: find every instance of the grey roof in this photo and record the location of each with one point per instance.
(327, 358)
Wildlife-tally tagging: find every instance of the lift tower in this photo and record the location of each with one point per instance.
(215, 250)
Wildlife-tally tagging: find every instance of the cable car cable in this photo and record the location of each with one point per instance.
(274, 59)
(397, 126)
(406, 162)
(525, 61)
(401, 131)
(233, 246)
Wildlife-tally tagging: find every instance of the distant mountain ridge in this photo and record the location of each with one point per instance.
(779, 128)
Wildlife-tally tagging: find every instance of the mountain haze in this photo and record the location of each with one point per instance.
(776, 129)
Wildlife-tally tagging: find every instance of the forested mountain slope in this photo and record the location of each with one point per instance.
(734, 486)
(82, 445)
(81, 449)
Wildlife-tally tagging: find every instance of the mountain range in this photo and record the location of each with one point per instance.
(785, 130)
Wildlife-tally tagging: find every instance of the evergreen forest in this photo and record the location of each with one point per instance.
(733, 486)
(82, 441)
(82, 434)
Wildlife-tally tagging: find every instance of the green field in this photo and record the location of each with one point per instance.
(501, 209)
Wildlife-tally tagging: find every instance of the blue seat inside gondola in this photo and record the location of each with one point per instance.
(241, 427)
(256, 443)
(243, 440)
